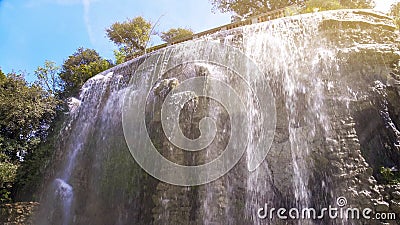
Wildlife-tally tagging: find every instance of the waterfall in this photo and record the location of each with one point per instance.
(211, 130)
(65, 194)
(294, 54)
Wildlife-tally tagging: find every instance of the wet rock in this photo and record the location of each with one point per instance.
(381, 206)
(395, 206)
(396, 195)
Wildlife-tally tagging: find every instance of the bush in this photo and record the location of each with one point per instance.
(31, 172)
(322, 5)
(395, 12)
(389, 176)
(177, 34)
(8, 172)
(396, 21)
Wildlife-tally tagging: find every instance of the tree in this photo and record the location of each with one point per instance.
(79, 67)
(26, 112)
(131, 36)
(120, 56)
(175, 34)
(357, 4)
(8, 172)
(2, 75)
(321, 5)
(30, 172)
(248, 8)
(48, 78)
(395, 12)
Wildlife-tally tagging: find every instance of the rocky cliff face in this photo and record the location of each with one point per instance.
(336, 83)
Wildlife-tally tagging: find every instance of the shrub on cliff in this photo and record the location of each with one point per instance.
(322, 5)
(175, 34)
(389, 176)
(395, 12)
(131, 36)
(248, 8)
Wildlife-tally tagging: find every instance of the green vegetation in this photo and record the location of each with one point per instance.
(31, 115)
(26, 112)
(395, 12)
(78, 68)
(357, 4)
(120, 173)
(173, 35)
(30, 173)
(131, 36)
(322, 5)
(248, 8)
(47, 77)
(389, 176)
(120, 57)
(8, 172)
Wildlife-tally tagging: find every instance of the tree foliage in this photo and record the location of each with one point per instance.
(2, 75)
(79, 67)
(8, 173)
(30, 172)
(131, 36)
(322, 5)
(357, 4)
(395, 12)
(389, 176)
(120, 56)
(248, 8)
(395, 9)
(25, 112)
(175, 34)
(47, 77)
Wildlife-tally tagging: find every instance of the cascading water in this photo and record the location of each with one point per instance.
(65, 194)
(297, 59)
(320, 69)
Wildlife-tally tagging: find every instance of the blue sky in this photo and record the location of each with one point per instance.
(32, 31)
